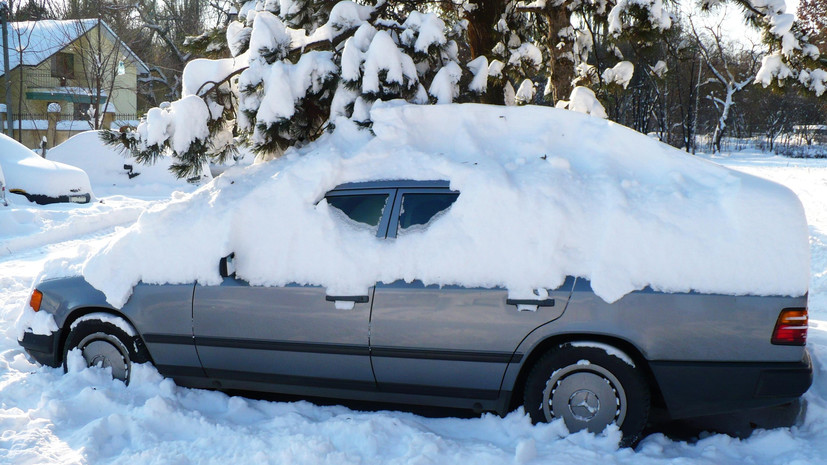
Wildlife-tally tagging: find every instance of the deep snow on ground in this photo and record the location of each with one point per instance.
(83, 417)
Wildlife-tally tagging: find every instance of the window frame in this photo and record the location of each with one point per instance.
(63, 65)
(393, 226)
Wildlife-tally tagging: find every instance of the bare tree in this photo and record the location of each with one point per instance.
(723, 62)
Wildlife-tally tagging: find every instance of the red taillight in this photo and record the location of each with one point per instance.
(37, 298)
(791, 327)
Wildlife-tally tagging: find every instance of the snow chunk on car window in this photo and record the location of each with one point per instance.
(544, 194)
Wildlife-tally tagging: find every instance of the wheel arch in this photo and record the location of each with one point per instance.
(80, 312)
(549, 343)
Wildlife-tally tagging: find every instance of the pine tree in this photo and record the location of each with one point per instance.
(296, 67)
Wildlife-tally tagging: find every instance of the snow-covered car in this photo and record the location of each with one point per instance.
(467, 256)
(39, 180)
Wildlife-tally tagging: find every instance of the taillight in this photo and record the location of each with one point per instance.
(791, 327)
(37, 298)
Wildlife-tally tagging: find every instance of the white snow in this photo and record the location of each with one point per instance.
(201, 73)
(118, 322)
(184, 120)
(815, 80)
(525, 93)
(427, 29)
(583, 100)
(479, 68)
(526, 53)
(606, 348)
(772, 67)
(26, 170)
(286, 84)
(384, 55)
(659, 15)
(621, 74)
(268, 34)
(445, 86)
(569, 194)
(659, 69)
(84, 417)
(104, 165)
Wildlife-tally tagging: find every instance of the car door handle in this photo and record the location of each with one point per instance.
(538, 303)
(359, 299)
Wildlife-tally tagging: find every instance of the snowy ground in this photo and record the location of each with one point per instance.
(82, 417)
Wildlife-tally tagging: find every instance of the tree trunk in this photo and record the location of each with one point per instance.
(561, 64)
(481, 38)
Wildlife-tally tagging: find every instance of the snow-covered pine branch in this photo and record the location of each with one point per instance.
(296, 67)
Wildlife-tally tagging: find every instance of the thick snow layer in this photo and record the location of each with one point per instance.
(184, 120)
(659, 15)
(621, 74)
(384, 55)
(583, 100)
(445, 85)
(27, 171)
(545, 193)
(202, 73)
(428, 29)
(772, 67)
(85, 418)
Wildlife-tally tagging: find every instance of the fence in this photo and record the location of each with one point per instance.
(31, 128)
(45, 79)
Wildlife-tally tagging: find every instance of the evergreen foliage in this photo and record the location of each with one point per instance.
(301, 64)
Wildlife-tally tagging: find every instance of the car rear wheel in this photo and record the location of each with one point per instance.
(589, 387)
(106, 345)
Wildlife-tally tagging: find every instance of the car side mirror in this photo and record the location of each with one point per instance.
(226, 266)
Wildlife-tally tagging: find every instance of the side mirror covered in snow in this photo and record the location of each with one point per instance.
(226, 266)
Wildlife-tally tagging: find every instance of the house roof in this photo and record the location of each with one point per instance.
(41, 39)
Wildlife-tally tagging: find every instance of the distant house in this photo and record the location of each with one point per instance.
(68, 76)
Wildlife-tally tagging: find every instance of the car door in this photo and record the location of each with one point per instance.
(295, 336)
(450, 340)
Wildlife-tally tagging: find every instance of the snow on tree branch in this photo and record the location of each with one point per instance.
(297, 66)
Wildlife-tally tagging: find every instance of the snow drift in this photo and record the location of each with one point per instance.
(544, 193)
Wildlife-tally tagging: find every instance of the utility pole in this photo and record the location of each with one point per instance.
(4, 21)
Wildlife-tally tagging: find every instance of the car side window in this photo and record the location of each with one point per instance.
(418, 210)
(364, 209)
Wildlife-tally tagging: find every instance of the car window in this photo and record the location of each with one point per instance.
(364, 209)
(418, 210)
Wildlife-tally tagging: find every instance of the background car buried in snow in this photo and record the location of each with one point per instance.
(39, 180)
(563, 353)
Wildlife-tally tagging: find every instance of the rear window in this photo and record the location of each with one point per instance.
(419, 210)
(362, 210)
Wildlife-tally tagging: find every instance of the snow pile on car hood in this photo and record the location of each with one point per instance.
(545, 193)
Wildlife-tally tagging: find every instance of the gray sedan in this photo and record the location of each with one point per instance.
(563, 354)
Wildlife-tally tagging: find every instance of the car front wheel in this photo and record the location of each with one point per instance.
(589, 386)
(106, 345)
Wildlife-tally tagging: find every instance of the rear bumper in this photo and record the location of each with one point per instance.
(706, 388)
(42, 348)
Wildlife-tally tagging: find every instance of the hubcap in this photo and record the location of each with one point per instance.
(106, 351)
(586, 397)
(584, 404)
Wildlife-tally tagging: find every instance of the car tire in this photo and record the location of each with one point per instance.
(589, 387)
(104, 344)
